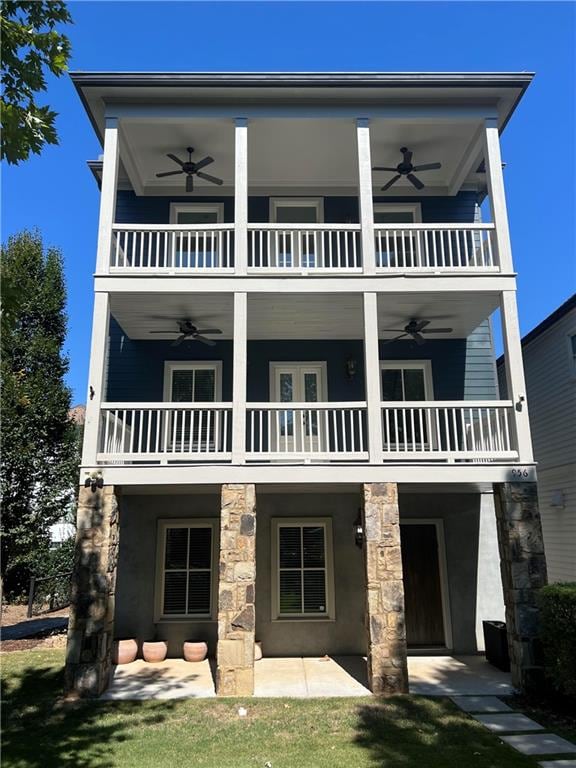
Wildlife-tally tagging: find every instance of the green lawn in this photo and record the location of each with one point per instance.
(332, 733)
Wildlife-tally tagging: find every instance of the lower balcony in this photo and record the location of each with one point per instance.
(335, 432)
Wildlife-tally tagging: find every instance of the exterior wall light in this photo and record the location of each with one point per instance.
(94, 481)
(358, 530)
(351, 368)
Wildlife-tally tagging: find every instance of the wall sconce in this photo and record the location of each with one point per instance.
(351, 368)
(94, 481)
(358, 530)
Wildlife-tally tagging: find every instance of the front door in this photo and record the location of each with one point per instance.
(422, 585)
(297, 430)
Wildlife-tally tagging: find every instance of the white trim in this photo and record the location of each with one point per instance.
(424, 365)
(275, 366)
(365, 200)
(442, 568)
(296, 202)
(300, 522)
(162, 527)
(108, 195)
(414, 208)
(96, 377)
(239, 377)
(192, 365)
(176, 208)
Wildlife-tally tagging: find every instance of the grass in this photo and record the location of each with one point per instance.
(401, 732)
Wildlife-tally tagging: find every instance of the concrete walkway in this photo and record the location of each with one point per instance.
(524, 734)
(307, 678)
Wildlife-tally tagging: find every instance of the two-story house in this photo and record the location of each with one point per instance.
(293, 428)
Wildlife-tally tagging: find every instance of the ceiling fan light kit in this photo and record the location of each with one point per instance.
(191, 169)
(406, 168)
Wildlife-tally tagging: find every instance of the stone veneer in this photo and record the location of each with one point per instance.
(91, 623)
(523, 567)
(236, 591)
(385, 624)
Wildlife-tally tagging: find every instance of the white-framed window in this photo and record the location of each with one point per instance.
(196, 249)
(396, 249)
(186, 570)
(409, 380)
(196, 213)
(302, 568)
(296, 249)
(192, 430)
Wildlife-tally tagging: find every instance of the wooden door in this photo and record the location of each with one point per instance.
(422, 586)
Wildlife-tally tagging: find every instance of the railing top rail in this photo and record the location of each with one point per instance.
(422, 227)
(171, 406)
(446, 403)
(305, 227)
(172, 227)
(349, 405)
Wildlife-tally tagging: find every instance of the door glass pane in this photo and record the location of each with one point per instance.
(182, 386)
(392, 384)
(296, 214)
(314, 592)
(197, 217)
(313, 541)
(290, 547)
(204, 386)
(286, 396)
(310, 387)
(176, 548)
(414, 384)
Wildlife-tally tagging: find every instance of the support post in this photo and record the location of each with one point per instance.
(236, 591)
(91, 622)
(385, 623)
(497, 195)
(239, 373)
(365, 196)
(107, 196)
(514, 368)
(241, 196)
(96, 383)
(372, 373)
(523, 570)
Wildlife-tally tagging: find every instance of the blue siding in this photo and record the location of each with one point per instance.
(462, 369)
(131, 209)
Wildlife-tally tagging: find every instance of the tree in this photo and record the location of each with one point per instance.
(39, 472)
(30, 46)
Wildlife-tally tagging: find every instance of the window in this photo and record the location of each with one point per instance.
(302, 562)
(300, 249)
(396, 249)
(201, 249)
(185, 569)
(405, 380)
(191, 430)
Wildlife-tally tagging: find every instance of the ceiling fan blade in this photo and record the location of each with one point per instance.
(176, 160)
(427, 167)
(201, 163)
(407, 155)
(416, 182)
(389, 341)
(207, 177)
(178, 341)
(393, 180)
(189, 183)
(209, 330)
(417, 325)
(168, 173)
(392, 330)
(383, 168)
(437, 330)
(418, 339)
(166, 331)
(204, 340)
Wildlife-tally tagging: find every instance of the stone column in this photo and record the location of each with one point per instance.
(91, 623)
(385, 625)
(236, 591)
(523, 568)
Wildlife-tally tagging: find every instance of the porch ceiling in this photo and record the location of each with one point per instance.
(291, 154)
(298, 316)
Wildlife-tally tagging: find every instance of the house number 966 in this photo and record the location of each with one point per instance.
(519, 473)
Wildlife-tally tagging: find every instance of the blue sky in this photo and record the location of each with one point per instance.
(56, 193)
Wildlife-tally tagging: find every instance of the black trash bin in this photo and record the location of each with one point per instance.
(496, 644)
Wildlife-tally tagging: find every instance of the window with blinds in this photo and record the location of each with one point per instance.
(302, 560)
(186, 570)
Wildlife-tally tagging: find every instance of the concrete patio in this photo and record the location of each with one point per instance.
(308, 678)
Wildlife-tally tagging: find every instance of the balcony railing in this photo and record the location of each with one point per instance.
(300, 249)
(479, 431)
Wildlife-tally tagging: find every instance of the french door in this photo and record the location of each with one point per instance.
(295, 249)
(400, 381)
(191, 430)
(297, 429)
(197, 249)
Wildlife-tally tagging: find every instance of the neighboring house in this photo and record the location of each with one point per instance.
(295, 317)
(549, 353)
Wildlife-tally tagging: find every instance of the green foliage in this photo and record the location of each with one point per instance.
(30, 46)
(38, 476)
(557, 604)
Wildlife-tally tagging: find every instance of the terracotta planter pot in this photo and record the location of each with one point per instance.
(124, 651)
(154, 651)
(194, 651)
(257, 651)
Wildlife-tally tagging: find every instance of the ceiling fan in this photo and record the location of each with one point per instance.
(405, 168)
(415, 329)
(188, 330)
(191, 169)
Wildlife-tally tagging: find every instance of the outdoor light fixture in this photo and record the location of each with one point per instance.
(351, 367)
(94, 481)
(358, 530)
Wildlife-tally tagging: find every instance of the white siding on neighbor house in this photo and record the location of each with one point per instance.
(551, 394)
